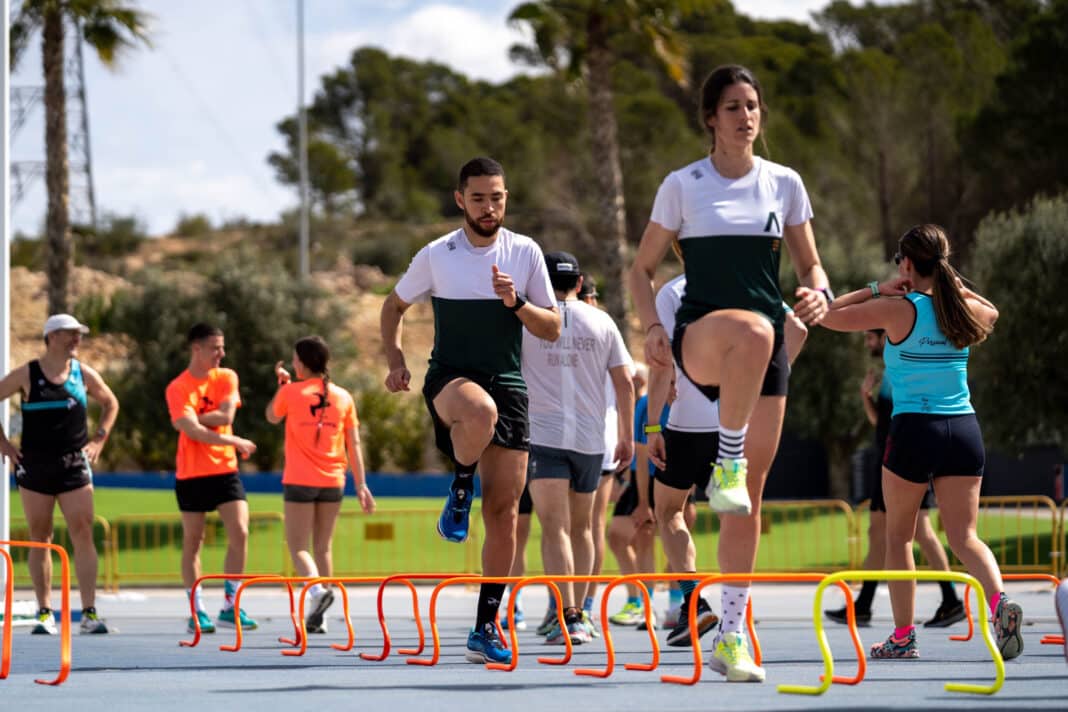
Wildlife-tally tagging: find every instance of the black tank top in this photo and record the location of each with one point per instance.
(54, 415)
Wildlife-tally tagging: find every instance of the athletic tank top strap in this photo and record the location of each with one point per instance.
(927, 373)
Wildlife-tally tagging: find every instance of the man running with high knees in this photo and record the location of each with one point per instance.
(202, 402)
(567, 425)
(485, 284)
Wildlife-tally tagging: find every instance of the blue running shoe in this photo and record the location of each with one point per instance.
(206, 626)
(484, 646)
(226, 620)
(453, 522)
(520, 620)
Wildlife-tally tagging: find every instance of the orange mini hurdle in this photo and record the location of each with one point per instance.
(456, 580)
(64, 617)
(407, 580)
(236, 577)
(770, 578)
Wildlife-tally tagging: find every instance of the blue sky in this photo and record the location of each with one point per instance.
(186, 126)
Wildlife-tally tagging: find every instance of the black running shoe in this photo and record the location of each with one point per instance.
(706, 620)
(946, 615)
(838, 615)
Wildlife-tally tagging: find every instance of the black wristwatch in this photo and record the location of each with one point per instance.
(518, 304)
(826, 291)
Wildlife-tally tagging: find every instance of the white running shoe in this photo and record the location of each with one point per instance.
(727, 491)
(732, 659)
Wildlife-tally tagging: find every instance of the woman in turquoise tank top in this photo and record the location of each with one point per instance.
(931, 320)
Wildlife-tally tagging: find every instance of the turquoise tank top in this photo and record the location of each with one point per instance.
(927, 373)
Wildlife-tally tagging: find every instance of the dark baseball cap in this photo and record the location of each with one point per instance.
(563, 263)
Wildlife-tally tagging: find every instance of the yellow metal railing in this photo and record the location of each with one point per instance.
(140, 542)
(1027, 534)
(1022, 531)
(61, 536)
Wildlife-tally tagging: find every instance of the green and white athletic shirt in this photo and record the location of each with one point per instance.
(731, 232)
(473, 330)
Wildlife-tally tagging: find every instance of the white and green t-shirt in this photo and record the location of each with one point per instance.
(731, 232)
(566, 378)
(473, 330)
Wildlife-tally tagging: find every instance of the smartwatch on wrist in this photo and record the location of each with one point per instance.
(874, 287)
(827, 293)
(518, 304)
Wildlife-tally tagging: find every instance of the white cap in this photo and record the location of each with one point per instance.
(58, 322)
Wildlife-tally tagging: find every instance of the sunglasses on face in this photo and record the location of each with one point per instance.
(897, 258)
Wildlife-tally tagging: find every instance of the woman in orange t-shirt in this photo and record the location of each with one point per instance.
(322, 441)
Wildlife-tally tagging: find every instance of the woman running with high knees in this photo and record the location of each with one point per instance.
(54, 463)
(931, 320)
(731, 211)
(322, 440)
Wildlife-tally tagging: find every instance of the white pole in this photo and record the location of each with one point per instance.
(5, 265)
(303, 147)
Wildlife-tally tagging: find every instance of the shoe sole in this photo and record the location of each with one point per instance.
(865, 623)
(1012, 645)
(227, 624)
(473, 656)
(203, 631)
(447, 538)
(730, 508)
(705, 623)
(718, 666)
(315, 618)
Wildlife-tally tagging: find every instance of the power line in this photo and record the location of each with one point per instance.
(209, 115)
(282, 70)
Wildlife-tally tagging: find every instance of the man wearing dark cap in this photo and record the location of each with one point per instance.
(567, 423)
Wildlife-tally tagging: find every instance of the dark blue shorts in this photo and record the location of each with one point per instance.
(776, 376)
(921, 447)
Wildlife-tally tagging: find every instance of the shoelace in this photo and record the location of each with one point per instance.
(728, 479)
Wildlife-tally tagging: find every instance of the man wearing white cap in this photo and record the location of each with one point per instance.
(53, 461)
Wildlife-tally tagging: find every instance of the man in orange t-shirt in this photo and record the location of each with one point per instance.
(202, 402)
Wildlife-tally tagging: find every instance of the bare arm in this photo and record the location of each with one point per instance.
(223, 415)
(866, 399)
(542, 322)
(99, 391)
(623, 385)
(14, 382)
(659, 388)
(655, 242)
(859, 311)
(389, 323)
(283, 378)
(795, 333)
(359, 476)
(192, 428)
(983, 309)
(811, 304)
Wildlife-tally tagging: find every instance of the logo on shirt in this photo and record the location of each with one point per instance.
(451, 245)
(206, 405)
(773, 219)
(323, 404)
(697, 174)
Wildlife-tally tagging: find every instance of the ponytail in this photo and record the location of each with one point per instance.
(955, 317)
(324, 400)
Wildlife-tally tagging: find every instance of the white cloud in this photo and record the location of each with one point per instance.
(474, 43)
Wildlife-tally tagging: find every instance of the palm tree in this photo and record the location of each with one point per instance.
(576, 37)
(108, 26)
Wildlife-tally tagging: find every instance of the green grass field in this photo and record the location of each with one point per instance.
(401, 537)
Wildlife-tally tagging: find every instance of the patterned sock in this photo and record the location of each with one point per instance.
(731, 444)
(489, 601)
(733, 600)
(464, 477)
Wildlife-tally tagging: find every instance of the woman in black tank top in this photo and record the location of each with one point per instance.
(52, 464)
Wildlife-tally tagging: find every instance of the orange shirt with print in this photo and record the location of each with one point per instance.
(188, 395)
(315, 432)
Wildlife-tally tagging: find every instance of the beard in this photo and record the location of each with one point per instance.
(480, 229)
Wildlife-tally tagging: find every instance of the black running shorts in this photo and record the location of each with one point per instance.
(308, 495)
(53, 474)
(513, 425)
(776, 377)
(205, 494)
(689, 459)
(921, 446)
